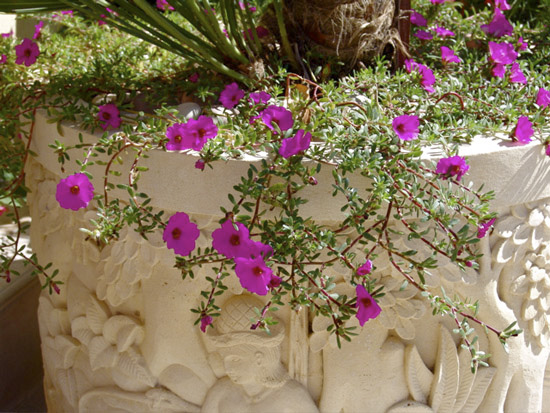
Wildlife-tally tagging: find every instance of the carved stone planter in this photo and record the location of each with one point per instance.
(120, 336)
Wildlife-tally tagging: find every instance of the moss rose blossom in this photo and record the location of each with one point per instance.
(298, 143)
(254, 275)
(74, 192)
(109, 116)
(180, 234)
(367, 307)
(453, 166)
(282, 117)
(231, 95)
(406, 127)
(27, 52)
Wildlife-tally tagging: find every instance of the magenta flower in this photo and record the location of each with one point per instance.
(298, 143)
(232, 242)
(498, 70)
(200, 165)
(26, 52)
(254, 275)
(175, 135)
(543, 97)
(365, 269)
(547, 151)
(438, 1)
(37, 30)
(502, 5)
(503, 53)
(74, 192)
(259, 249)
(109, 116)
(7, 34)
(406, 127)
(521, 44)
(484, 227)
(523, 130)
(443, 32)
(2, 210)
(427, 78)
(260, 97)
(275, 281)
(164, 5)
(367, 307)
(423, 35)
(180, 234)
(418, 20)
(248, 6)
(280, 116)
(3, 58)
(194, 78)
(197, 132)
(453, 166)
(231, 96)
(449, 56)
(205, 322)
(499, 26)
(516, 75)
(261, 31)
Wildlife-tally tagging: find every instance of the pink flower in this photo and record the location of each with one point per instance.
(449, 56)
(365, 269)
(406, 127)
(7, 34)
(452, 166)
(198, 131)
(443, 32)
(74, 192)
(280, 116)
(547, 151)
(231, 95)
(254, 275)
(298, 143)
(418, 20)
(194, 78)
(260, 97)
(164, 5)
(3, 59)
(423, 35)
(499, 26)
(367, 307)
(175, 135)
(37, 30)
(521, 44)
(3, 209)
(484, 227)
(523, 130)
(516, 75)
(205, 322)
(261, 31)
(200, 165)
(258, 249)
(180, 234)
(498, 70)
(502, 5)
(109, 116)
(248, 6)
(543, 97)
(26, 52)
(438, 1)
(232, 242)
(503, 53)
(427, 78)
(275, 281)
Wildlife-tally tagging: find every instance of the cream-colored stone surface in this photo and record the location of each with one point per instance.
(120, 335)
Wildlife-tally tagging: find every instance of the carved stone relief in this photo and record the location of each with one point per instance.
(120, 335)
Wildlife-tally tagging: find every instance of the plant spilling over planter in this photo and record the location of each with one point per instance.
(307, 121)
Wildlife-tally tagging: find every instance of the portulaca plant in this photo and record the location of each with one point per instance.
(470, 72)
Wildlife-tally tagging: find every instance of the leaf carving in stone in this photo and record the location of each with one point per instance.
(133, 366)
(419, 377)
(81, 330)
(445, 383)
(66, 381)
(123, 331)
(483, 379)
(97, 314)
(67, 347)
(102, 353)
